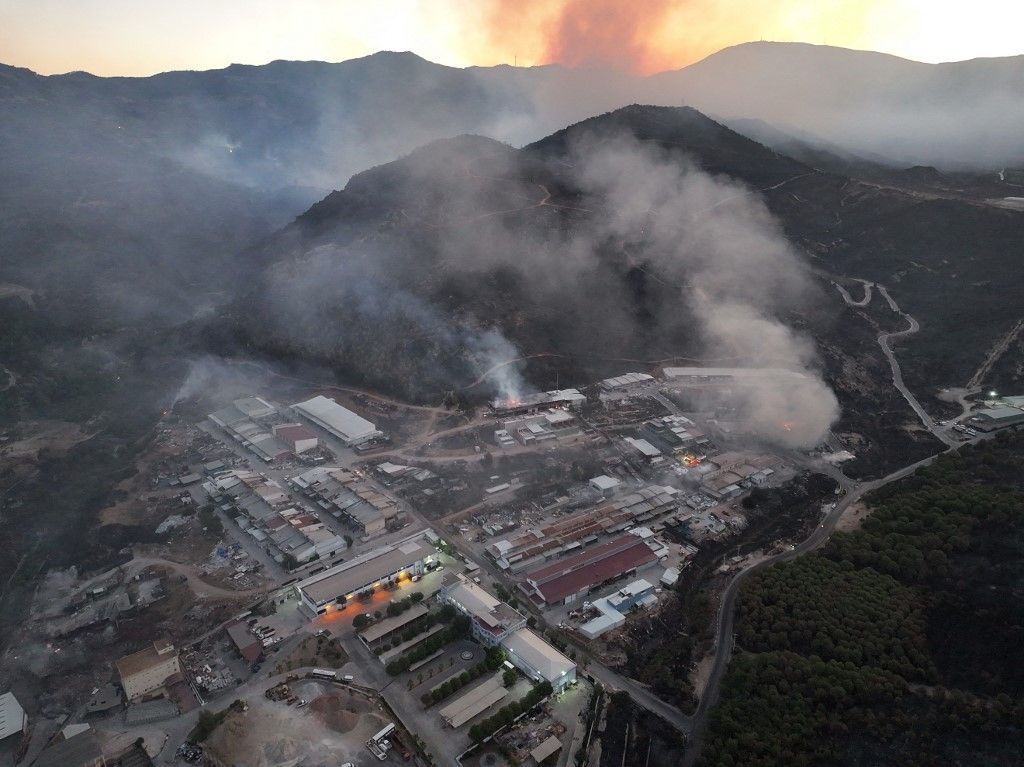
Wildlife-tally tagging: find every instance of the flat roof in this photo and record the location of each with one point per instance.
(145, 659)
(474, 701)
(83, 748)
(572, 574)
(350, 576)
(338, 419)
(538, 654)
(386, 626)
(476, 601)
(999, 413)
(12, 715)
(546, 749)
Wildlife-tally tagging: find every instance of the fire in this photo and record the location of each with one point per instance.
(787, 425)
(690, 460)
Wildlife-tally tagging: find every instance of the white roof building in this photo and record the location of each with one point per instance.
(538, 659)
(12, 716)
(604, 483)
(645, 448)
(349, 427)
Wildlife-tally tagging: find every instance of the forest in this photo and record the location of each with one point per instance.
(898, 643)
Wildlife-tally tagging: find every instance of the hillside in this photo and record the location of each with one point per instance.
(422, 272)
(899, 642)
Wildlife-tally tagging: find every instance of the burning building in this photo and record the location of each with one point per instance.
(565, 398)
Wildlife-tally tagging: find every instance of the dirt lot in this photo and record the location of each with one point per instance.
(314, 651)
(275, 733)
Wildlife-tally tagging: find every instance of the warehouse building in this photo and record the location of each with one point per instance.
(564, 398)
(539, 660)
(997, 418)
(625, 381)
(349, 427)
(639, 506)
(346, 496)
(148, 670)
(337, 586)
(474, 702)
(296, 437)
(492, 619)
(13, 720)
(610, 611)
(565, 580)
(80, 750)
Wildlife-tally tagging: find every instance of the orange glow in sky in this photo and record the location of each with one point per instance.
(136, 37)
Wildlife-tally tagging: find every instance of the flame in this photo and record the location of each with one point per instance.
(787, 425)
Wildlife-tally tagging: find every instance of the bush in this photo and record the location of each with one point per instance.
(361, 621)
(509, 677)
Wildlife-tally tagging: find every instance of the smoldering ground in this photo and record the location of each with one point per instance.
(476, 261)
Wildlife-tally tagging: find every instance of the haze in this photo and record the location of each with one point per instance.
(121, 37)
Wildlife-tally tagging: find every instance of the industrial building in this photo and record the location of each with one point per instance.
(537, 427)
(383, 631)
(496, 623)
(242, 422)
(625, 381)
(246, 643)
(146, 671)
(997, 418)
(565, 580)
(13, 719)
(529, 653)
(564, 398)
(351, 428)
(725, 375)
(636, 507)
(296, 437)
(346, 496)
(674, 431)
(474, 702)
(80, 750)
(339, 585)
(492, 620)
(610, 611)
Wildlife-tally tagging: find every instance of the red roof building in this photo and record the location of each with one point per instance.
(566, 579)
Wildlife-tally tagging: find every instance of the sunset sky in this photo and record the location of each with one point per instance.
(138, 37)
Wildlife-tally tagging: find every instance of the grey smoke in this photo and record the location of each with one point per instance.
(726, 272)
(735, 270)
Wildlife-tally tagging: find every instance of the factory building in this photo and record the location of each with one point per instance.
(337, 586)
(625, 381)
(563, 398)
(496, 623)
(610, 611)
(538, 427)
(997, 418)
(241, 421)
(342, 423)
(492, 619)
(13, 719)
(296, 437)
(346, 496)
(642, 505)
(148, 670)
(529, 653)
(565, 580)
(82, 749)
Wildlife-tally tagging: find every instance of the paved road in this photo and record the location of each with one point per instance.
(884, 340)
(724, 639)
(641, 696)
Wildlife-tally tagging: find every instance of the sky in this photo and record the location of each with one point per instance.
(141, 37)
